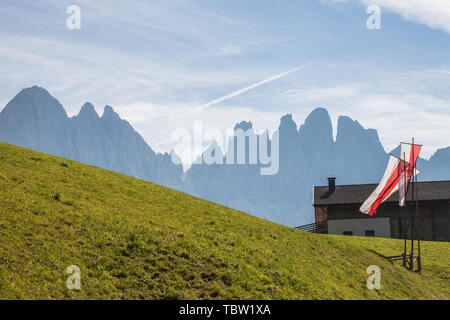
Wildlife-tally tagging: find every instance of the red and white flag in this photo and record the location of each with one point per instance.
(409, 153)
(397, 177)
(388, 186)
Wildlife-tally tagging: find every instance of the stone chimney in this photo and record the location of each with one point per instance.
(331, 184)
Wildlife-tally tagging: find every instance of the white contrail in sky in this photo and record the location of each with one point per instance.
(250, 87)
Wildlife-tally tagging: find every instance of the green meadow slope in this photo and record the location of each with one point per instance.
(136, 240)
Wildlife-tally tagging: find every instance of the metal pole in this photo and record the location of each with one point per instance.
(419, 262)
(406, 210)
(411, 257)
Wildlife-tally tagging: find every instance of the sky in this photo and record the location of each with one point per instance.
(164, 65)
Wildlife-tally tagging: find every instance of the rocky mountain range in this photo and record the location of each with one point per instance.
(35, 120)
(308, 154)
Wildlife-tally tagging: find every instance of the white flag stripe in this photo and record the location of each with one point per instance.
(405, 154)
(402, 191)
(390, 171)
(405, 179)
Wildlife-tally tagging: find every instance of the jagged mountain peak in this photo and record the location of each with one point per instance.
(287, 124)
(108, 112)
(35, 99)
(396, 151)
(88, 110)
(345, 122)
(318, 114)
(243, 125)
(35, 93)
(114, 121)
(317, 126)
(349, 129)
(307, 155)
(442, 152)
(36, 120)
(34, 90)
(318, 118)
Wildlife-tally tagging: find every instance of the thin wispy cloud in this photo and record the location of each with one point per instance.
(253, 86)
(432, 13)
(162, 62)
(370, 102)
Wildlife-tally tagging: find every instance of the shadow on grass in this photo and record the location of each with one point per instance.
(382, 256)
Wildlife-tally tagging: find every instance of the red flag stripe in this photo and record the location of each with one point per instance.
(388, 189)
(413, 152)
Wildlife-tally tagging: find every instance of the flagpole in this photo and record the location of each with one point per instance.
(411, 257)
(406, 209)
(405, 168)
(419, 262)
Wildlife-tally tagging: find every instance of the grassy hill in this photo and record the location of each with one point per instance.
(137, 240)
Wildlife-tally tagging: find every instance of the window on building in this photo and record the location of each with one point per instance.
(370, 233)
(348, 233)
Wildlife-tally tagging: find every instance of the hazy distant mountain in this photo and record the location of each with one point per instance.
(308, 155)
(438, 167)
(35, 120)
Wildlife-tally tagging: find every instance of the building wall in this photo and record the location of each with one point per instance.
(358, 227)
(434, 222)
(320, 214)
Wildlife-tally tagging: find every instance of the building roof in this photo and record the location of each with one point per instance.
(357, 194)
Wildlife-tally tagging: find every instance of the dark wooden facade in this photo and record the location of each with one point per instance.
(343, 202)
